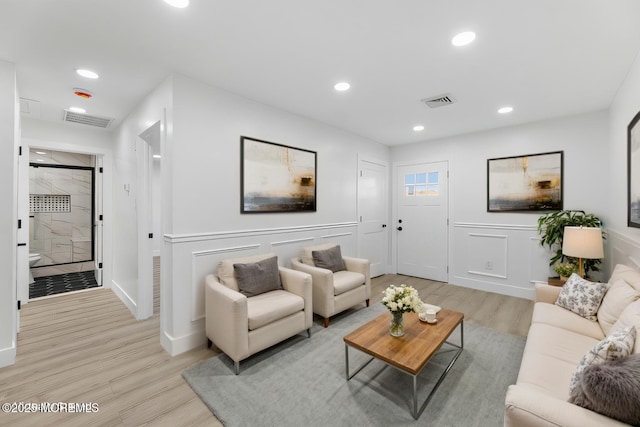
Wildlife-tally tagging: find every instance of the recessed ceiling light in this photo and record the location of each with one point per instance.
(418, 128)
(41, 152)
(342, 86)
(87, 73)
(181, 4)
(39, 160)
(157, 156)
(463, 38)
(77, 110)
(505, 110)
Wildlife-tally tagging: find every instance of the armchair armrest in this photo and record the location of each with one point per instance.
(227, 321)
(362, 266)
(322, 287)
(299, 283)
(547, 293)
(526, 407)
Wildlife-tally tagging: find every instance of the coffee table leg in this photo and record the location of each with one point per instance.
(416, 413)
(346, 362)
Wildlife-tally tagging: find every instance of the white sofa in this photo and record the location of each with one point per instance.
(556, 342)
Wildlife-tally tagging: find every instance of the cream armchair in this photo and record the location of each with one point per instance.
(239, 321)
(334, 291)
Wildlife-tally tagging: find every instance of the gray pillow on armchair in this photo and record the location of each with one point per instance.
(331, 259)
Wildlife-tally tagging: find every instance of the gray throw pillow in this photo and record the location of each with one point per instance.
(258, 277)
(331, 259)
(612, 389)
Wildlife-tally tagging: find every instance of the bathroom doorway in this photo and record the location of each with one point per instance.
(62, 205)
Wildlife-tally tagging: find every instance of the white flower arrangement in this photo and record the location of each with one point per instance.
(402, 298)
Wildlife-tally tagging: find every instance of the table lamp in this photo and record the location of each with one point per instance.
(582, 242)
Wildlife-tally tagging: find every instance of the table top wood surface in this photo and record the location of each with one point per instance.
(411, 351)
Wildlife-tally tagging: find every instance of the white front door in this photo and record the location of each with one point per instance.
(422, 224)
(373, 237)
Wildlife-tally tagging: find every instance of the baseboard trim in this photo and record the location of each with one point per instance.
(175, 346)
(496, 288)
(7, 356)
(125, 298)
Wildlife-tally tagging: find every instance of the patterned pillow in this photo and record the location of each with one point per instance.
(615, 346)
(582, 296)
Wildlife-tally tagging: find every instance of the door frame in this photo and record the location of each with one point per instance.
(394, 209)
(104, 158)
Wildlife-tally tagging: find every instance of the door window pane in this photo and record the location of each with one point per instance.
(422, 184)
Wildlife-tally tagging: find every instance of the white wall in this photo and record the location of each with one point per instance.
(203, 159)
(8, 217)
(623, 241)
(509, 240)
(126, 197)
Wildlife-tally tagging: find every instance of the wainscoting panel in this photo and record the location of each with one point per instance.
(501, 258)
(487, 255)
(620, 248)
(194, 256)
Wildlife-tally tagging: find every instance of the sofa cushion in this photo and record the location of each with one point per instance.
(612, 389)
(331, 259)
(582, 296)
(550, 358)
(266, 308)
(344, 281)
(630, 317)
(628, 274)
(617, 298)
(614, 346)
(226, 272)
(554, 315)
(307, 253)
(255, 278)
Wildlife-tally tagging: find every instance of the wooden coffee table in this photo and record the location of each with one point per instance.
(409, 353)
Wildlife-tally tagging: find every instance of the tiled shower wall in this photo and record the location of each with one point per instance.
(60, 228)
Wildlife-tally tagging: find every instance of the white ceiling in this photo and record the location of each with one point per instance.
(546, 58)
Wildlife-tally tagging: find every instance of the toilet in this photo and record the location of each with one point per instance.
(33, 259)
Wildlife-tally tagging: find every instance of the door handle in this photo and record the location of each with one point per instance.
(399, 228)
(384, 225)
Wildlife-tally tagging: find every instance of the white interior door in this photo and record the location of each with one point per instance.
(422, 224)
(373, 237)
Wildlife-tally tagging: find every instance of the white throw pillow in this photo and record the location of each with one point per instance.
(582, 296)
(617, 298)
(629, 317)
(615, 346)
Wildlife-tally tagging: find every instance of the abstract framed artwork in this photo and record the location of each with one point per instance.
(633, 172)
(276, 177)
(532, 182)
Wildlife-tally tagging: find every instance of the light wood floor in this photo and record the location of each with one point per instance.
(87, 347)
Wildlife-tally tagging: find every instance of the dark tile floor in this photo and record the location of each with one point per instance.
(61, 283)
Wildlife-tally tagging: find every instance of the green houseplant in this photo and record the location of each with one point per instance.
(565, 269)
(551, 229)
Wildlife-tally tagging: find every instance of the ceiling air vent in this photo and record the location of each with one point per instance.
(439, 101)
(86, 119)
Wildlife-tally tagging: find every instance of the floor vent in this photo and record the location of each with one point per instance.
(439, 101)
(86, 119)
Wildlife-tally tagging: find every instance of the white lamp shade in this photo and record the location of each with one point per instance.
(583, 242)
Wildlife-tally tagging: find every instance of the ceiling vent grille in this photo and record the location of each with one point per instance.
(439, 101)
(86, 119)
